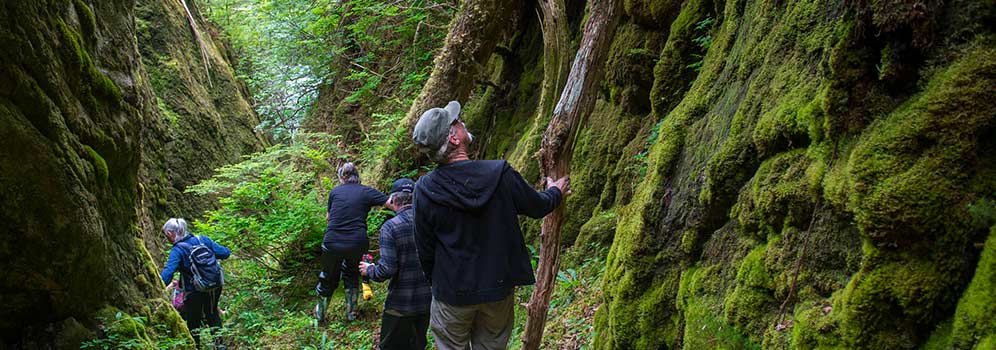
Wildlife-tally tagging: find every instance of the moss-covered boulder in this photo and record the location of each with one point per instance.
(82, 137)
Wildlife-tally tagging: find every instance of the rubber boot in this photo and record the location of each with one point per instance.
(351, 296)
(323, 304)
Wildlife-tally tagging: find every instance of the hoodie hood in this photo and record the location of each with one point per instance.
(467, 185)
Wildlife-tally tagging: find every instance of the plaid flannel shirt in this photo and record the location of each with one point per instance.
(409, 291)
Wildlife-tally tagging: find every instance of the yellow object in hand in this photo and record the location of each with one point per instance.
(367, 292)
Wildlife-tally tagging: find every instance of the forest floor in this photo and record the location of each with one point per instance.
(265, 311)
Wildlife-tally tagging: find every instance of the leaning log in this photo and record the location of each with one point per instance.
(576, 101)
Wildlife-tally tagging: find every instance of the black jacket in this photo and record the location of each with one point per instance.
(467, 229)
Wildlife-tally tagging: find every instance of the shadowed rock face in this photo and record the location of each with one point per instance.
(83, 136)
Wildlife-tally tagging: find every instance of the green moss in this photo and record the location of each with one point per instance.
(628, 77)
(909, 170)
(171, 117)
(887, 305)
(701, 309)
(598, 231)
(87, 20)
(71, 334)
(652, 13)
(598, 150)
(778, 196)
(750, 304)
(672, 73)
(816, 328)
(975, 316)
(940, 338)
(989, 342)
(908, 179)
(91, 79)
(915, 17)
(98, 162)
(704, 329)
(795, 122)
(154, 323)
(120, 327)
(630, 267)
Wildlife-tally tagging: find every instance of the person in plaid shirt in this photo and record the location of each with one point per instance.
(406, 311)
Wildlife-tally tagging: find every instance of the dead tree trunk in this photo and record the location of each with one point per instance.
(576, 101)
(556, 54)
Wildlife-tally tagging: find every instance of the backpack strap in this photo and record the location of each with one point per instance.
(189, 246)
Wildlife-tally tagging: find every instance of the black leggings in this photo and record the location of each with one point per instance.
(344, 258)
(403, 332)
(200, 306)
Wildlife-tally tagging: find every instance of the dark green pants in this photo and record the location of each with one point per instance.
(403, 332)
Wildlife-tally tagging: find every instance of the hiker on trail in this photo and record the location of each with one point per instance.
(345, 239)
(406, 311)
(195, 257)
(467, 234)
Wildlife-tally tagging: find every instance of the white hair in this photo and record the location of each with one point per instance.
(348, 173)
(177, 226)
(444, 151)
(401, 199)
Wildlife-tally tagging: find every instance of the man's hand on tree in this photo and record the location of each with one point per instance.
(564, 184)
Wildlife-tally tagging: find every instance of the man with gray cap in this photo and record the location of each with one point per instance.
(467, 233)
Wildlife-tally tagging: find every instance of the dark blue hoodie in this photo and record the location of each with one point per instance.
(467, 229)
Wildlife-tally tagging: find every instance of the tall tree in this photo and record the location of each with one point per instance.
(474, 33)
(576, 101)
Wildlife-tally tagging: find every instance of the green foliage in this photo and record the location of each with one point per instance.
(703, 41)
(123, 331)
(388, 132)
(272, 215)
(641, 158)
(572, 307)
(171, 117)
(271, 200)
(368, 51)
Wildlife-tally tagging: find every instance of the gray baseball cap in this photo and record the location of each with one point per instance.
(434, 126)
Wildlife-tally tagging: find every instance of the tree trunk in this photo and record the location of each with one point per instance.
(473, 36)
(577, 100)
(556, 54)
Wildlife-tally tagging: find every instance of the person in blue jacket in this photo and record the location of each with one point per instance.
(197, 306)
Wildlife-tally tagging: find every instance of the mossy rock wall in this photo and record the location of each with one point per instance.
(843, 187)
(774, 174)
(205, 119)
(83, 140)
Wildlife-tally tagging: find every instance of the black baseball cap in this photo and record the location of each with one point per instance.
(403, 185)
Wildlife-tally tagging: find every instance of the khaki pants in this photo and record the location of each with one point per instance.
(481, 326)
